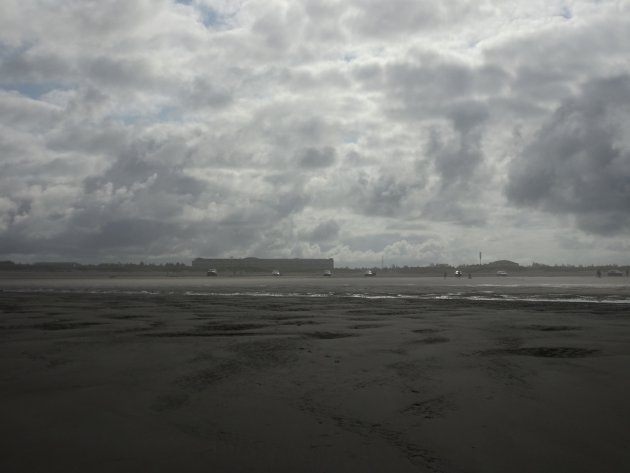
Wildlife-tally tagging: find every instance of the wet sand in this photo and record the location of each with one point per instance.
(314, 375)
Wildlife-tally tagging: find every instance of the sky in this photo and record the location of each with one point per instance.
(408, 132)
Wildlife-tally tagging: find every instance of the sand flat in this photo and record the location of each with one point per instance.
(310, 374)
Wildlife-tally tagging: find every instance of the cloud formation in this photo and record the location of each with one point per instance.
(578, 163)
(422, 132)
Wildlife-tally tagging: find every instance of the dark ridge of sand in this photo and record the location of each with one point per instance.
(176, 382)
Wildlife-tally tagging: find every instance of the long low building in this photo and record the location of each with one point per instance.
(263, 265)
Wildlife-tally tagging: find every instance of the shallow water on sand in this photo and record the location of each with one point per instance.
(541, 289)
(315, 374)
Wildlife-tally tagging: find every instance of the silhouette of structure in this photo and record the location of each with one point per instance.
(263, 265)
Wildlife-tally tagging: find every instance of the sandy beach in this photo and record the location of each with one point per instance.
(315, 374)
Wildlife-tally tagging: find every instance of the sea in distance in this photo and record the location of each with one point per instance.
(613, 290)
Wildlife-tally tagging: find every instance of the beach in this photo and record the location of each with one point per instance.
(313, 374)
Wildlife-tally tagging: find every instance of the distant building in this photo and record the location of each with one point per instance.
(56, 265)
(503, 265)
(263, 265)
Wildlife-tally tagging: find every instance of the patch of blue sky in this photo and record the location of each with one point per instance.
(210, 17)
(566, 12)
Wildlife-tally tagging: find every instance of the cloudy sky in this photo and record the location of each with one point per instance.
(417, 131)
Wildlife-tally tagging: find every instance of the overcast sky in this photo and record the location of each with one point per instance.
(415, 131)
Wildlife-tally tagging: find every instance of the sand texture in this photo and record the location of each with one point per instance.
(296, 377)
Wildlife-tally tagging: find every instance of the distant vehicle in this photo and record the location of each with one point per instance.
(328, 273)
(614, 272)
(275, 272)
(369, 273)
(458, 274)
(212, 272)
(501, 273)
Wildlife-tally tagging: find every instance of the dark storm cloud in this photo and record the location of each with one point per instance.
(378, 19)
(108, 139)
(95, 20)
(374, 241)
(285, 202)
(467, 115)
(277, 30)
(136, 233)
(420, 88)
(204, 92)
(138, 165)
(324, 231)
(428, 86)
(457, 158)
(579, 161)
(384, 195)
(540, 84)
(454, 209)
(370, 75)
(133, 73)
(464, 98)
(313, 158)
(566, 50)
(283, 128)
(123, 239)
(34, 64)
(13, 241)
(133, 206)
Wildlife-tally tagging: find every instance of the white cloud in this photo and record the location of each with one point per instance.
(345, 129)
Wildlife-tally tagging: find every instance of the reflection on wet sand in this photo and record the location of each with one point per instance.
(399, 376)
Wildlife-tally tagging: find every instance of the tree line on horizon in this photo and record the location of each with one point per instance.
(433, 268)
